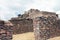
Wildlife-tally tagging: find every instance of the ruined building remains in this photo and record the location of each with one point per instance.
(22, 25)
(44, 24)
(45, 28)
(6, 30)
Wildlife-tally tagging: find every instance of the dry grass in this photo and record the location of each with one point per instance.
(29, 36)
(24, 36)
(55, 38)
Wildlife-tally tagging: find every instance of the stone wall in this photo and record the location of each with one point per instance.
(22, 25)
(33, 13)
(6, 31)
(46, 27)
(45, 24)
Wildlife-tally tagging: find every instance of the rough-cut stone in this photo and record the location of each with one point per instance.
(33, 13)
(46, 24)
(44, 27)
(5, 31)
(22, 25)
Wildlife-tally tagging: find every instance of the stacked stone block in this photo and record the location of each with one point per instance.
(22, 25)
(44, 27)
(5, 31)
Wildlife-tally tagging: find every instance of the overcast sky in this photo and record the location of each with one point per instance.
(11, 8)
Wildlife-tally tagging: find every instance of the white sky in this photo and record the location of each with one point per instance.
(11, 8)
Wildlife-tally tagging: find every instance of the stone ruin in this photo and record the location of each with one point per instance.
(44, 24)
(45, 28)
(22, 25)
(6, 30)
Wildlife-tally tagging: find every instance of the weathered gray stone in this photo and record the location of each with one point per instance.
(5, 31)
(44, 28)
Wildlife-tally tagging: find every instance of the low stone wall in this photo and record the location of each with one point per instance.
(6, 31)
(45, 27)
(22, 25)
